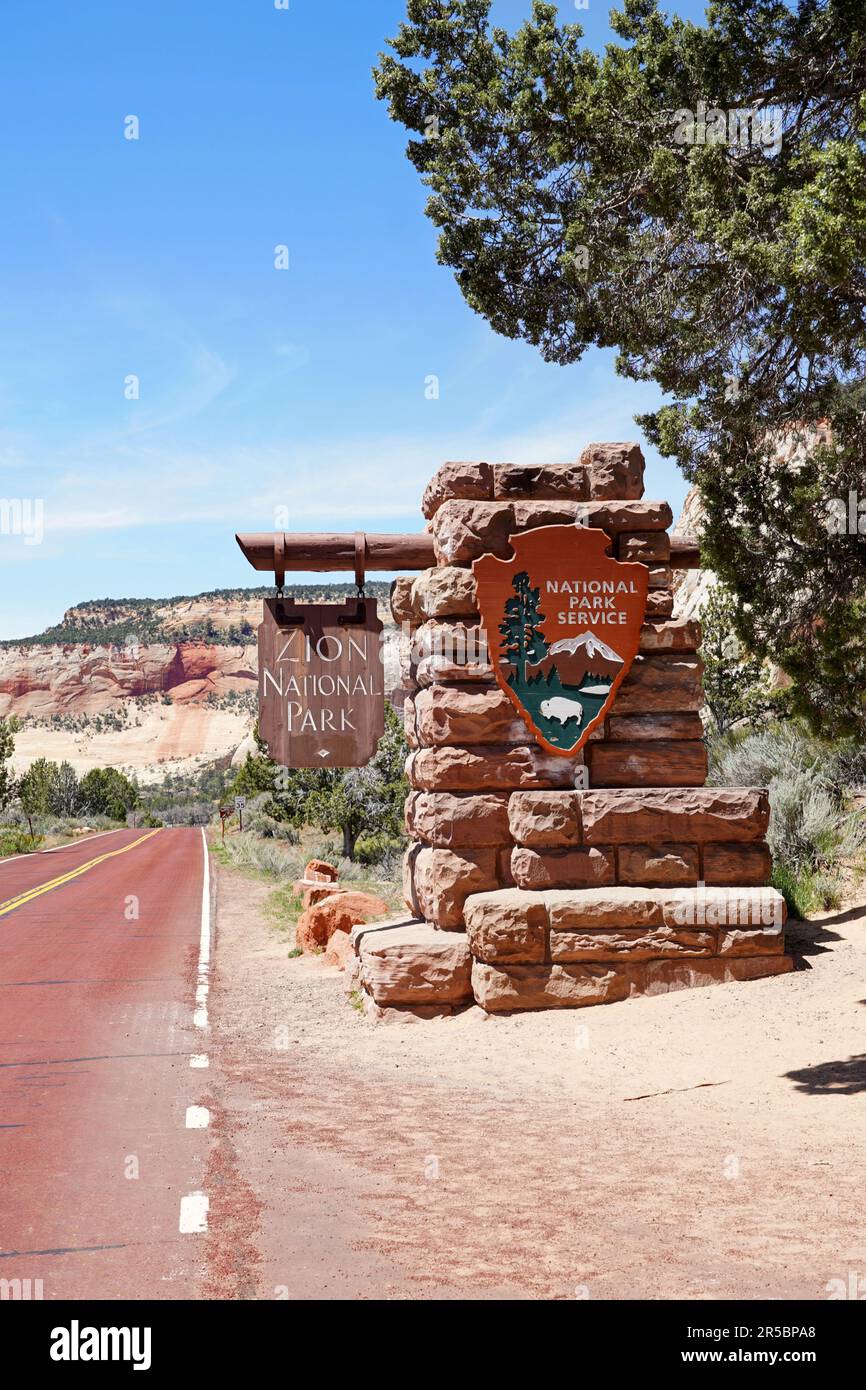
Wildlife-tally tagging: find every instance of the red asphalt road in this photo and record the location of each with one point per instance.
(96, 1033)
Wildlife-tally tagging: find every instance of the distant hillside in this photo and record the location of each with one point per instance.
(227, 617)
(153, 686)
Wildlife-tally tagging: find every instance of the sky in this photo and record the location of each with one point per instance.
(147, 266)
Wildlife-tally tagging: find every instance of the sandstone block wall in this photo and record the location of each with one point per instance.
(563, 881)
(466, 738)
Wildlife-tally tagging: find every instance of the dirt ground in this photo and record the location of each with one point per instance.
(706, 1144)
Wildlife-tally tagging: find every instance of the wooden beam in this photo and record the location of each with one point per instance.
(323, 551)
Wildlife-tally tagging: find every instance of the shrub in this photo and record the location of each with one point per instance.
(812, 835)
(18, 842)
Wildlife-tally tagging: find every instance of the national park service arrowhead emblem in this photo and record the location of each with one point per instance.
(563, 625)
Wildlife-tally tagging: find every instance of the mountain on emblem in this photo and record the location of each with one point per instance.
(563, 624)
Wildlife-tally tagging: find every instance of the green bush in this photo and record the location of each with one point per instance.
(378, 848)
(813, 835)
(18, 842)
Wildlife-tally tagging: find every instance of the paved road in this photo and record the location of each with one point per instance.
(104, 949)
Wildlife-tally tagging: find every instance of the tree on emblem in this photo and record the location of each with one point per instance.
(524, 641)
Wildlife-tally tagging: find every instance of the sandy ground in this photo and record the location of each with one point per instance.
(706, 1144)
(168, 739)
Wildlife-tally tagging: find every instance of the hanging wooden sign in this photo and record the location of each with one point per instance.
(563, 625)
(321, 682)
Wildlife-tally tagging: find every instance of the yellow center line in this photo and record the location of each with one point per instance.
(32, 893)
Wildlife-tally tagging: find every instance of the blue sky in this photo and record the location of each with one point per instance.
(258, 388)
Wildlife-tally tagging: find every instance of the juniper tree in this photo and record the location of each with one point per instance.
(695, 198)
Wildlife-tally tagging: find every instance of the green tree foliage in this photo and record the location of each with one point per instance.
(34, 790)
(107, 792)
(351, 800)
(361, 799)
(735, 684)
(8, 730)
(695, 197)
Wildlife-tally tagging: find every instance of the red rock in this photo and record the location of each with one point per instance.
(415, 964)
(563, 868)
(650, 547)
(742, 866)
(457, 481)
(465, 715)
(689, 814)
(676, 635)
(569, 482)
(443, 879)
(492, 768)
(506, 925)
(638, 728)
(544, 819)
(627, 944)
(339, 950)
(659, 605)
(501, 989)
(462, 531)
(402, 608)
(339, 912)
(615, 470)
(446, 592)
(658, 865)
(662, 682)
(320, 871)
(458, 820)
(655, 764)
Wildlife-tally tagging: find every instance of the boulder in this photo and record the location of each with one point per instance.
(492, 768)
(615, 470)
(444, 879)
(447, 592)
(338, 912)
(415, 964)
(658, 865)
(659, 763)
(458, 820)
(463, 481)
(562, 868)
(544, 818)
(679, 815)
(321, 871)
(339, 950)
(498, 989)
(450, 714)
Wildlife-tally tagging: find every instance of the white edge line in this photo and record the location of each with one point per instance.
(200, 1017)
(194, 1210)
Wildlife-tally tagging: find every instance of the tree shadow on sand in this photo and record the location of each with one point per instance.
(808, 938)
(832, 1078)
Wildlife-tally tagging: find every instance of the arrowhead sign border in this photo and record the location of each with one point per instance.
(516, 604)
